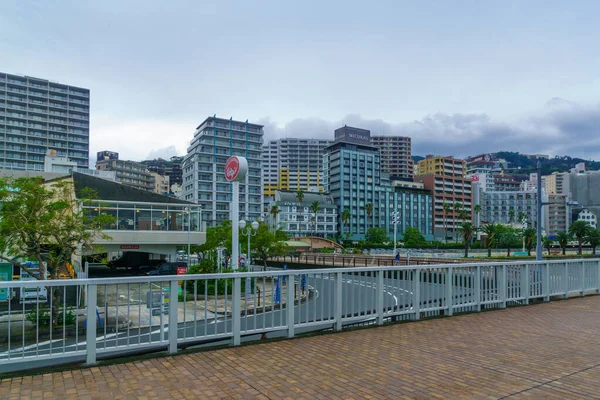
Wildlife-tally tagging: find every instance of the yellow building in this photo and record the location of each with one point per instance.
(439, 165)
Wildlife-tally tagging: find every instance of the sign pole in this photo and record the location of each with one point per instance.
(235, 171)
(235, 215)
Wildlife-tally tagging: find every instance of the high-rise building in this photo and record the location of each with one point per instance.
(293, 164)
(37, 115)
(129, 173)
(444, 177)
(395, 153)
(215, 140)
(556, 215)
(351, 170)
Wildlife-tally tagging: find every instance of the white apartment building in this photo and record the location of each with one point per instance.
(215, 140)
(299, 220)
(293, 164)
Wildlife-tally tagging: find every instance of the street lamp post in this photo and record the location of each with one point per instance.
(188, 212)
(249, 231)
(396, 215)
(523, 226)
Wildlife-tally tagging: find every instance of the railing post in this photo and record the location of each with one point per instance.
(90, 333)
(449, 287)
(582, 278)
(236, 318)
(525, 292)
(173, 314)
(566, 279)
(380, 290)
(502, 286)
(598, 277)
(337, 306)
(416, 293)
(289, 304)
(546, 282)
(477, 287)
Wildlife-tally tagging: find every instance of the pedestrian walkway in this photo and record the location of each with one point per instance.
(545, 351)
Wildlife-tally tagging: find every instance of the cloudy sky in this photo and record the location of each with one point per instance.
(459, 77)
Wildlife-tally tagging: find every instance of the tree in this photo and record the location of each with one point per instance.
(511, 215)
(491, 231)
(447, 209)
(457, 209)
(376, 235)
(522, 217)
(467, 230)
(412, 238)
(530, 235)
(593, 238)
(346, 220)
(269, 243)
(314, 207)
(563, 239)
(300, 196)
(579, 229)
(274, 212)
(477, 210)
(46, 222)
(369, 211)
(547, 243)
(508, 239)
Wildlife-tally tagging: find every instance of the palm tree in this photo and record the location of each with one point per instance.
(477, 210)
(467, 230)
(547, 243)
(457, 209)
(274, 212)
(300, 196)
(522, 216)
(369, 211)
(346, 220)
(491, 231)
(563, 239)
(529, 234)
(579, 229)
(511, 215)
(593, 238)
(447, 208)
(314, 208)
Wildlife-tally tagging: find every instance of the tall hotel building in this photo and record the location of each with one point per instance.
(37, 115)
(215, 140)
(395, 153)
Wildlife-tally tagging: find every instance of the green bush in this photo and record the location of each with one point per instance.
(41, 317)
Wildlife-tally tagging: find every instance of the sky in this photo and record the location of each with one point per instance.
(459, 77)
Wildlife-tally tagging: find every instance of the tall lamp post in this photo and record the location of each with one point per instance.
(189, 213)
(396, 215)
(249, 231)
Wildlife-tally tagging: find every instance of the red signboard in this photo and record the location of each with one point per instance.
(130, 247)
(232, 168)
(474, 178)
(181, 270)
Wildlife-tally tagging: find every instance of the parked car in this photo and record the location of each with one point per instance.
(170, 268)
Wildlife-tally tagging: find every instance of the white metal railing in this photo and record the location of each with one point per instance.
(98, 318)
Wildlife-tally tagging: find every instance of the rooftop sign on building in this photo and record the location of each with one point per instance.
(349, 134)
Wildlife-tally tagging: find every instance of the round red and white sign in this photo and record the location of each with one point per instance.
(232, 168)
(236, 168)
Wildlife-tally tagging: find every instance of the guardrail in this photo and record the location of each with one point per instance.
(88, 319)
(343, 260)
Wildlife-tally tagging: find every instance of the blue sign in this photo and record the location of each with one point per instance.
(277, 298)
(303, 282)
(285, 267)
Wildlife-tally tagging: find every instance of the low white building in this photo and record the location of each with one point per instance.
(299, 219)
(589, 217)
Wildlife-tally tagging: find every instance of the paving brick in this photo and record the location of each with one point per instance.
(546, 351)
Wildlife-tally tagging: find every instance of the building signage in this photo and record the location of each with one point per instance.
(6, 273)
(130, 247)
(474, 178)
(236, 168)
(349, 134)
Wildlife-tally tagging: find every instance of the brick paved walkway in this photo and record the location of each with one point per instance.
(547, 351)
